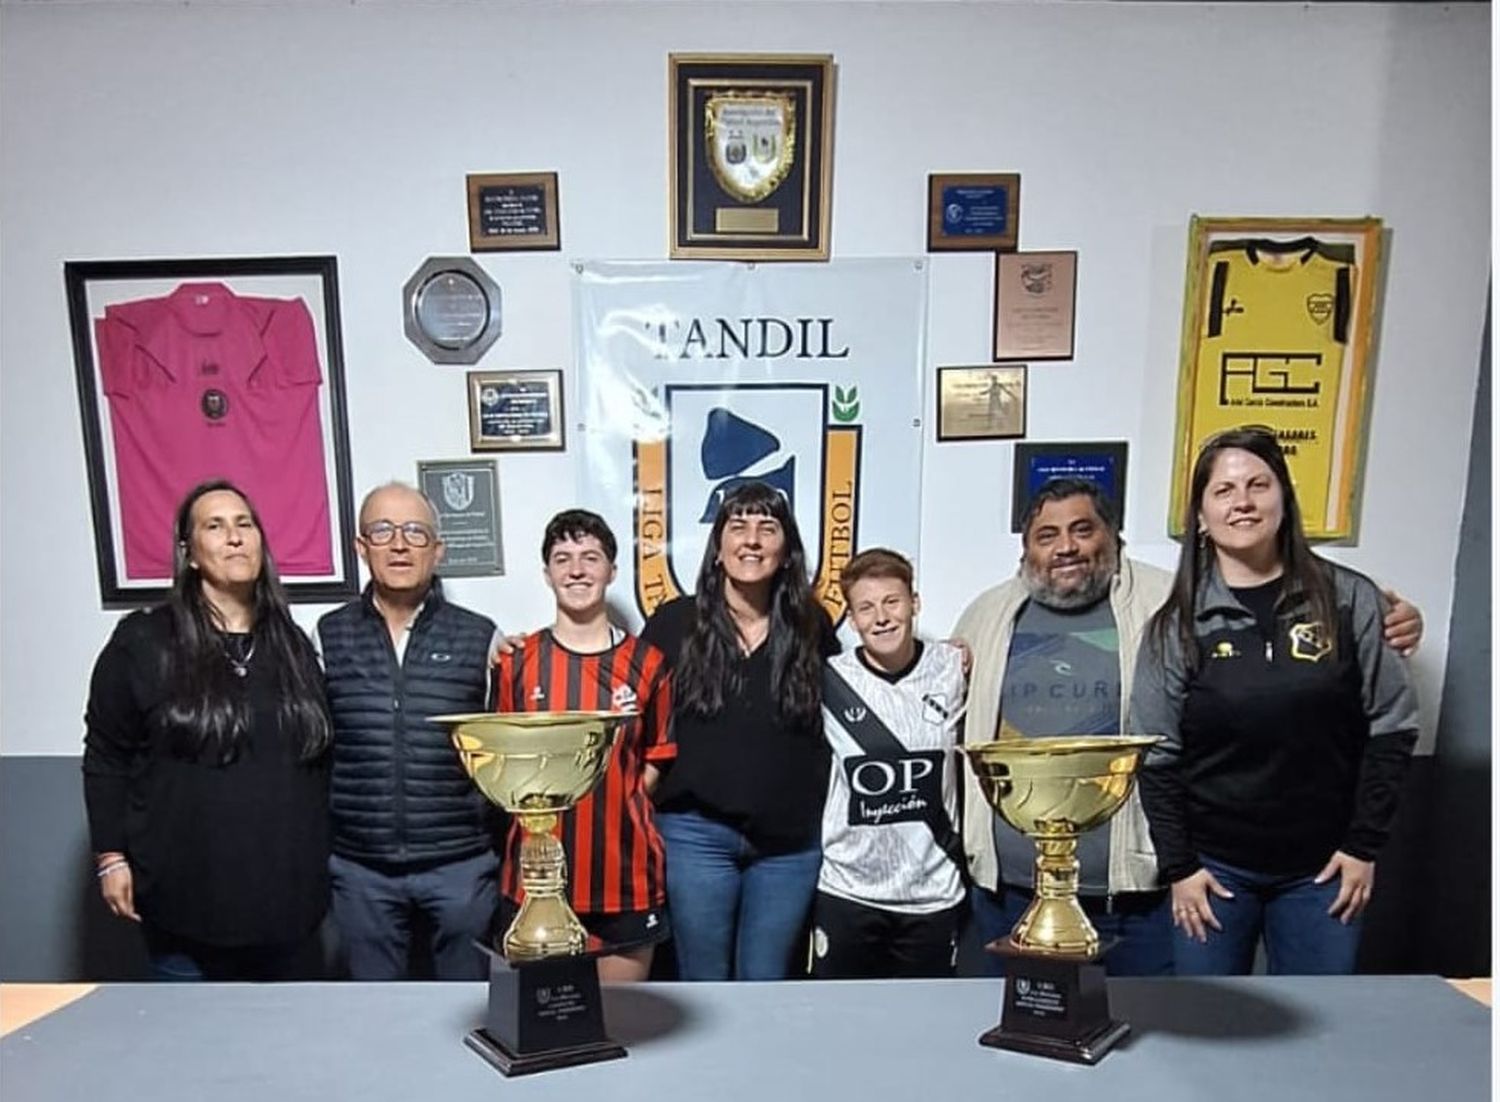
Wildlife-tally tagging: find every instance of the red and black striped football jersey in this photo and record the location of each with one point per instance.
(615, 858)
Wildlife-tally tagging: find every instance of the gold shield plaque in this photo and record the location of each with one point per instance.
(752, 141)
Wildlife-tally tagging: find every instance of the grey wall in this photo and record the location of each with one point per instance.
(55, 926)
(1431, 911)
(1455, 917)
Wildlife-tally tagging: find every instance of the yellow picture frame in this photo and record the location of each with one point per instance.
(1278, 329)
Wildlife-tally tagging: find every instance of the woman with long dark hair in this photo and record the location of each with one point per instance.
(205, 761)
(740, 807)
(1288, 723)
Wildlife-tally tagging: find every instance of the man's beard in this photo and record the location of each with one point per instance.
(1094, 588)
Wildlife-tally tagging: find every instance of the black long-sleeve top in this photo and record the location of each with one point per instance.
(225, 854)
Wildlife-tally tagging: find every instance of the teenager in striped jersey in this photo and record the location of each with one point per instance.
(616, 864)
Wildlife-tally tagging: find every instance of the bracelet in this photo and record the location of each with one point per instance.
(105, 870)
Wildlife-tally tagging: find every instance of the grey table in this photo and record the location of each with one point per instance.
(1325, 1039)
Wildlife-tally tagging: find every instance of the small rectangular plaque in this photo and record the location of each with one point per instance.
(516, 411)
(973, 211)
(1035, 305)
(513, 211)
(981, 403)
(466, 495)
(1102, 462)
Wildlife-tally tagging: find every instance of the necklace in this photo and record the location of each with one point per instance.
(240, 663)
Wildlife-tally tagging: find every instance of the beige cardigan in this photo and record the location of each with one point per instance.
(986, 626)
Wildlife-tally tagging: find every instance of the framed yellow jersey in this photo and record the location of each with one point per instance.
(1277, 326)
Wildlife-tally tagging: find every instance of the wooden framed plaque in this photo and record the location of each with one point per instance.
(513, 212)
(981, 403)
(1035, 297)
(973, 211)
(750, 155)
(516, 411)
(1278, 324)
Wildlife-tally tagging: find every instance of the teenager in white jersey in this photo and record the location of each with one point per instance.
(891, 886)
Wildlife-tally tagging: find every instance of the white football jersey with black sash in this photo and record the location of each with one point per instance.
(878, 846)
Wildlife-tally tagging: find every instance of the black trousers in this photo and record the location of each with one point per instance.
(854, 941)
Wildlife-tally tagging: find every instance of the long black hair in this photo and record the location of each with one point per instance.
(205, 708)
(709, 669)
(1301, 570)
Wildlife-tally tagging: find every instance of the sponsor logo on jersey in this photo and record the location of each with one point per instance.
(893, 790)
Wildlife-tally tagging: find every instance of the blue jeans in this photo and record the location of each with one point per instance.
(1289, 912)
(374, 909)
(737, 913)
(175, 959)
(1142, 921)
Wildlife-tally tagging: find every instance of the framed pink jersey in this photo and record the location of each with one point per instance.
(221, 376)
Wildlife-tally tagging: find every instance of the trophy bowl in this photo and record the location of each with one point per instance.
(1053, 790)
(536, 765)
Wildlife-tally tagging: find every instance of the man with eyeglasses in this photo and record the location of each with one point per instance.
(413, 842)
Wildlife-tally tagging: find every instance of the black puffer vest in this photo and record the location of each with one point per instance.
(398, 794)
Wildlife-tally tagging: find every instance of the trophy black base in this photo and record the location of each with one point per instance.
(543, 1014)
(509, 1063)
(1055, 1006)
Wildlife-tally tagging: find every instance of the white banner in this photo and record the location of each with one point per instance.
(694, 378)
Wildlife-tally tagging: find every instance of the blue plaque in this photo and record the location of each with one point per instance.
(975, 211)
(1101, 462)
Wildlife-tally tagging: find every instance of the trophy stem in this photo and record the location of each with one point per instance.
(1055, 923)
(545, 926)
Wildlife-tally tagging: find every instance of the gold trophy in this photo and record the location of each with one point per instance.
(1054, 790)
(544, 1006)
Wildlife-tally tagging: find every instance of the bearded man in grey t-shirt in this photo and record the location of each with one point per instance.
(1054, 652)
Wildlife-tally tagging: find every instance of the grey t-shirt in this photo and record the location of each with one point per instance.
(1062, 678)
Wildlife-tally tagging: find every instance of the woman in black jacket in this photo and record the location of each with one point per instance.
(1287, 725)
(205, 761)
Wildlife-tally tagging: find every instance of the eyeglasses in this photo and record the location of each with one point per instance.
(382, 532)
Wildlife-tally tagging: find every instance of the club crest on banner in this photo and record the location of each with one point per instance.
(721, 436)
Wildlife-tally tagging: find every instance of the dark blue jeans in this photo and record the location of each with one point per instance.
(175, 959)
(737, 913)
(1289, 912)
(374, 911)
(1141, 920)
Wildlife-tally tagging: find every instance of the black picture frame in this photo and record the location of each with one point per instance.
(1103, 461)
(778, 213)
(281, 309)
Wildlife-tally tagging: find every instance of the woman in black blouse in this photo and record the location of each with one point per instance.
(205, 761)
(740, 806)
